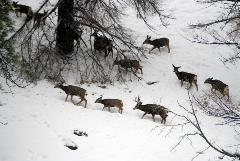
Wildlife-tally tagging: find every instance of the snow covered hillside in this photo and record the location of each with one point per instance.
(36, 124)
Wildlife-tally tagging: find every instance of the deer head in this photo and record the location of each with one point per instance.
(147, 41)
(208, 80)
(58, 85)
(98, 100)
(137, 99)
(175, 69)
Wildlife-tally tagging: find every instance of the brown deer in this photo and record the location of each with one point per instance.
(187, 77)
(102, 43)
(19, 8)
(152, 109)
(219, 86)
(73, 91)
(157, 43)
(38, 17)
(128, 63)
(111, 103)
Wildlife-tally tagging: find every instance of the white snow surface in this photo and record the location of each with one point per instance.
(37, 124)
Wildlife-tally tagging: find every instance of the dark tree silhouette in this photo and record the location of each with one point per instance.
(64, 38)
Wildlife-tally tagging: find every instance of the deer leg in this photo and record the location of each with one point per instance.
(212, 90)
(141, 70)
(159, 49)
(72, 98)
(163, 120)
(109, 109)
(152, 49)
(190, 86)
(228, 97)
(168, 48)
(181, 83)
(66, 98)
(79, 102)
(103, 108)
(85, 103)
(153, 117)
(106, 53)
(195, 82)
(120, 110)
(143, 115)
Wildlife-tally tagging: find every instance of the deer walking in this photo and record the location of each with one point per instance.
(102, 43)
(111, 103)
(128, 63)
(187, 77)
(152, 109)
(73, 91)
(157, 43)
(219, 86)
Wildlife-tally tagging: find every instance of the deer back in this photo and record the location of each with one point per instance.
(71, 90)
(188, 77)
(124, 63)
(75, 90)
(112, 102)
(160, 42)
(217, 84)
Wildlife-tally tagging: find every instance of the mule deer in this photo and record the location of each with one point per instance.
(102, 43)
(219, 86)
(152, 109)
(128, 63)
(111, 103)
(37, 18)
(73, 91)
(157, 43)
(19, 8)
(187, 77)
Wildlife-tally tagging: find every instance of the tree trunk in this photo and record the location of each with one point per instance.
(65, 29)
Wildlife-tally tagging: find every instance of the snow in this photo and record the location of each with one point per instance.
(37, 124)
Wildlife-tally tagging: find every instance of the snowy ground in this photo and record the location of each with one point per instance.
(36, 123)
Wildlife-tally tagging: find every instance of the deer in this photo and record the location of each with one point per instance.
(102, 43)
(19, 8)
(128, 63)
(157, 43)
(187, 77)
(219, 86)
(73, 91)
(152, 109)
(111, 103)
(37, 18)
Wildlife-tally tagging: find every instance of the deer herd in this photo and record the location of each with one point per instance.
(104, 44)
(134, 65)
